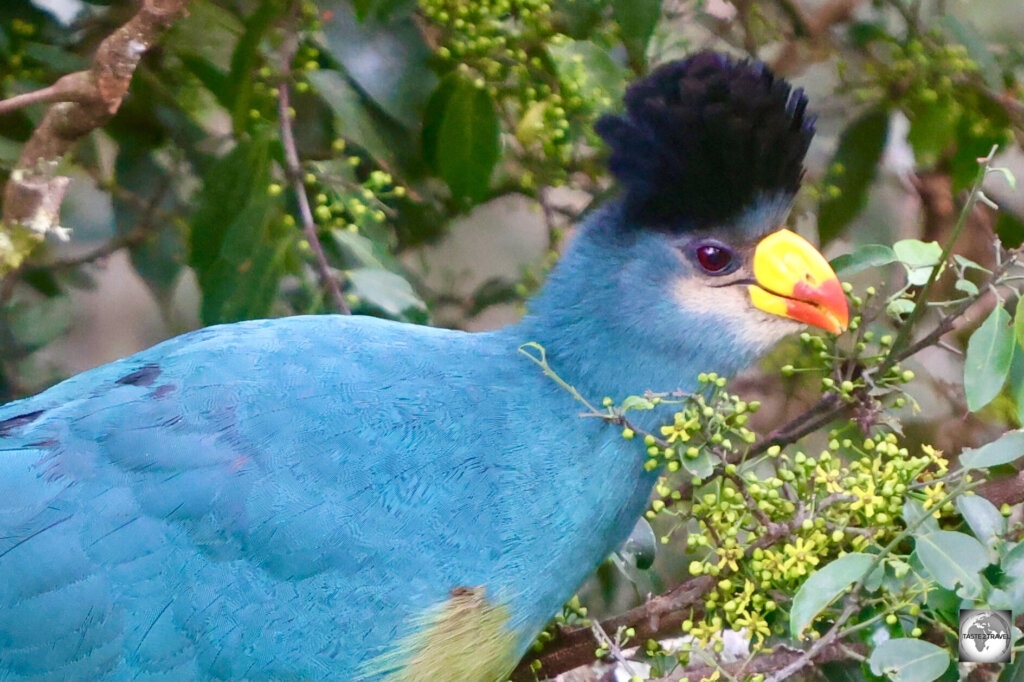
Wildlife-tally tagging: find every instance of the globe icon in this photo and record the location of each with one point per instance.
(984, 636)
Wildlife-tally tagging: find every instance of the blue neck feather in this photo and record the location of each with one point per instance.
(608, 329)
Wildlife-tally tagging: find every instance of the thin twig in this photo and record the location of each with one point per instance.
(294, 172)
(131, 238)
(614, 651)
(73, 87)
(903, 336)
(779, 659)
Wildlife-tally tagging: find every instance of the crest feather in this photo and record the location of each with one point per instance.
(703, 138)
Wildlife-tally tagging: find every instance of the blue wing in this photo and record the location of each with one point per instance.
(220, 503)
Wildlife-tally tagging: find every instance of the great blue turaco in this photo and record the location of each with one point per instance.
(344, 497)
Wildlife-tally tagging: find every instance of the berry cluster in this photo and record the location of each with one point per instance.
(17, 62)
(513, 49)
(760, 524)
(934, 82)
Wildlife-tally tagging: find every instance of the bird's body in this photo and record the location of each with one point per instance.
(277, 488)
(333, 497)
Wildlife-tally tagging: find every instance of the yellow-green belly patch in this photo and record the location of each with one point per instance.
(463, 639)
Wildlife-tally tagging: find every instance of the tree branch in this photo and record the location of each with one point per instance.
(89, 99)
(659, 617)
(780, 659)
(294, 172)
(811, 29)
(72, 87)
(131, 238)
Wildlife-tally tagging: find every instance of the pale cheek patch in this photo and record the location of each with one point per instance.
(731, 305)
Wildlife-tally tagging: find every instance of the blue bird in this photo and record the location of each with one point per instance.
(331, 497)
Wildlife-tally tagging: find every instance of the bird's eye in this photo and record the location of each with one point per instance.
(714, 259)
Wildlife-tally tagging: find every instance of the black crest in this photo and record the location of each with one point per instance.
(704, 137)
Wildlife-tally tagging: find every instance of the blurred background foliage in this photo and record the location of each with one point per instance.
(447, 149)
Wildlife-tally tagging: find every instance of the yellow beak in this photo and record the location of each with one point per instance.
(794, 280)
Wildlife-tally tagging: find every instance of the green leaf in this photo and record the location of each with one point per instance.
(242, 284)
(1017, 383)
(701, 466)
(953, 559)
(914, 511)
(641, 547)
(1007, 174)
(387, 59)
(823, 587)
(933, 127)
(10, 151)
(461, 137)
(967, 264)
(1012, 582)
(228, 187)
(238, 247)
(362, 8)
(1013, 559)
(873, 580)
(863, 33)
(1010, 229)
(208, 34)
(899, 306)
(973, 141)
(215, 80)
(352, 119)
(35, 323)
(966, 286)
(580, 18)
(591, 67)
(1018, 321)
(363, 250)
(984, 519)
(385, 290)
(864, 257)
(433, 116)
(852, 170)
(1013, 671)
(636, 20)
(244, 61)
(54, 57)
(918, 258)
(1007, 448)
(382, 9)
(909, 660)
(1004, 599)
(636, 402)
(989, 352)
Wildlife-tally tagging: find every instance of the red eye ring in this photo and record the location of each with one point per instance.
(713, 258)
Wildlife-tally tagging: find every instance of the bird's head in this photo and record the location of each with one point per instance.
(709, 154)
